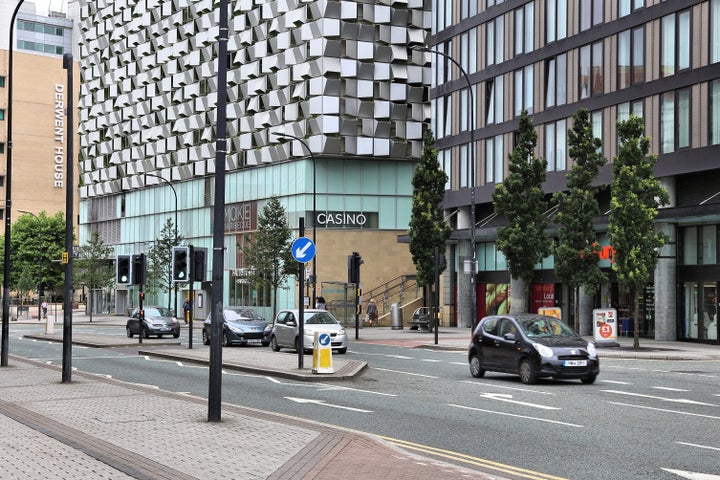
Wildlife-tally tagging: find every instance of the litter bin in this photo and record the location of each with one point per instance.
(395, 317)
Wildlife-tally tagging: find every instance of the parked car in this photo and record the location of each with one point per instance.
(158, 322)
(241, 326)
(532, 346)
(285, 330)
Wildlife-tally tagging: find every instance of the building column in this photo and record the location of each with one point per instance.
(666, 286)
(464, 279)
(585, 311)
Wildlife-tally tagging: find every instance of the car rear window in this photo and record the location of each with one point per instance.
(319, 319)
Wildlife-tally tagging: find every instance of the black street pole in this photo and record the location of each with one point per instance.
(4, 343)
(69, 215)
(215, 381)
(314, 210)
(472, 108)
(301, 305)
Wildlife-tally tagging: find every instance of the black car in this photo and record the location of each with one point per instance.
(158, 322)
(532, 346)
(241, 326)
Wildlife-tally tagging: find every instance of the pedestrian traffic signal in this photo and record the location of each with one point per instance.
(138, 269)
(123, 270)
(180, 264)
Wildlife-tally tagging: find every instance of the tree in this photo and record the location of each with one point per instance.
(94, 266)
(159, 261)
(428, 229)
(635, 197)
(36, 246)
(267, 252)
(521, 200)
(577, 252)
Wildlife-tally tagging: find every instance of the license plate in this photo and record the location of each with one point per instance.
(575, 363)
(253, 340)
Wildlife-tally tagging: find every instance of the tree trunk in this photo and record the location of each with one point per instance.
(636, 316)
(576, 295)
(91, 303)
(518, 295)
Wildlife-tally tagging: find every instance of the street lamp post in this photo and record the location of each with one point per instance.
(471, 123)
(314, 209)
(8, 202)
(176, 223)
(37, 219)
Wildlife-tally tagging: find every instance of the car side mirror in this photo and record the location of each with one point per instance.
(291, 323)
(510, 337)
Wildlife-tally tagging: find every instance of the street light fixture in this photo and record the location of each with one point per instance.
(471, 123)
(25, 212)
(172, 187)
(314, 209)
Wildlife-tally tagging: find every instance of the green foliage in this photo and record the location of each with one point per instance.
(94, 266)
(521, 200)
(428, 229)
(577, 252)
(159, 260)
(36, 246)
(636, 196)
(267, 252)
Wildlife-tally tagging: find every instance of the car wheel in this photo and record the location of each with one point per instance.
(528, 375)
(475, 369)
(160, 336)
(274, 345)
(265, 343)
(206, 338)
(589, 380)
(226, 340)
(128, 332)
(147, 334)
(176, 335)
(342, 351)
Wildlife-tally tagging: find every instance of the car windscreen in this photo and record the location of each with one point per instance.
(157, 312)
(319, 318)
(546, 327)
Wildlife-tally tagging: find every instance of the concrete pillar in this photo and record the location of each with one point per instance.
(586, 308)
(518, 295)
(666, 286)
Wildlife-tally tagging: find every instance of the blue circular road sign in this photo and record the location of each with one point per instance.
(303, 249)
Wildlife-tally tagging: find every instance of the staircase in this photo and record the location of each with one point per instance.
(403, 290)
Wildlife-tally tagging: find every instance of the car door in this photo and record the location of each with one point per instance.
(507, 352)
(489, 342)
(282, 330)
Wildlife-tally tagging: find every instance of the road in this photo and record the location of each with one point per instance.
(642, 419)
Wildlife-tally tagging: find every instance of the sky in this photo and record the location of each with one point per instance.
(43, 6)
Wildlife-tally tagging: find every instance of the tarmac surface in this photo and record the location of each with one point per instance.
(100, 428)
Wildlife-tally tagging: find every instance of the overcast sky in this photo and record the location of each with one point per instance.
(43, 6)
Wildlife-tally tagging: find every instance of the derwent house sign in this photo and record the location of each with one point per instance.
(59, 136)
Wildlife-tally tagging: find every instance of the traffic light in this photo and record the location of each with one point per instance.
(354, 262)
(180, 264)
(123, 270)
(138, 269)
(198, 264)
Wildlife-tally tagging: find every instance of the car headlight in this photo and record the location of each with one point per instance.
(235, 329)
(544, 351)
(592, 351)
(341, 331)
(268, 328)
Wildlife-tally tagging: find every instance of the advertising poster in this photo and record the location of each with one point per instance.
(605, 325)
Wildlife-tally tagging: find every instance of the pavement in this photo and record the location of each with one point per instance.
(102, 428)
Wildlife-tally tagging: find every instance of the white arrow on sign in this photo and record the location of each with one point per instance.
(693, 475)
(300, 251)
(506, 397)
(322, 403)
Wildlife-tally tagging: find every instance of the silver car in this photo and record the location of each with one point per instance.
(285, 330)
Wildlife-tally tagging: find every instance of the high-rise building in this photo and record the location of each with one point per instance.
(337, 78)
(656, 59)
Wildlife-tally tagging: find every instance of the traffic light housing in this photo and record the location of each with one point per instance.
(354, 262)
(123, 270)
(198, 264)
(138, 269)
(180, 264)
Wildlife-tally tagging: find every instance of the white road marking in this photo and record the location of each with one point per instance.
(322, 403)
(670, 389)
(693, 475)
(404, 373)
(493, 385)
(462, 364)
(673, 400)
(664, 410)
(516, 416)
(698, 446)
(430, 360)
(504, 397)
(616, 382)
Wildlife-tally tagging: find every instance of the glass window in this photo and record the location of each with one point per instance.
(709, 245)
(524, 28)
(714, 31)
(626, 7)
(591, 74)
(667, 122)
(472, 67)
(556, 145)
(494, 100)
(630, 58)
(675, 120)
(690, 246)
(591, 13)
(596, 118)
(556, 76)
(523, 90)
(494, 160)
(2, 148)
(675, 43)
(715, 112)
(495, 40)
(2, 81)
(2, 114)
(556, 20)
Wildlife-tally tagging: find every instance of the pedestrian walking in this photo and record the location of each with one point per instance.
(372, 312)
(44, 307)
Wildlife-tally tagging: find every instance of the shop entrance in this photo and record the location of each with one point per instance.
(699, 311)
